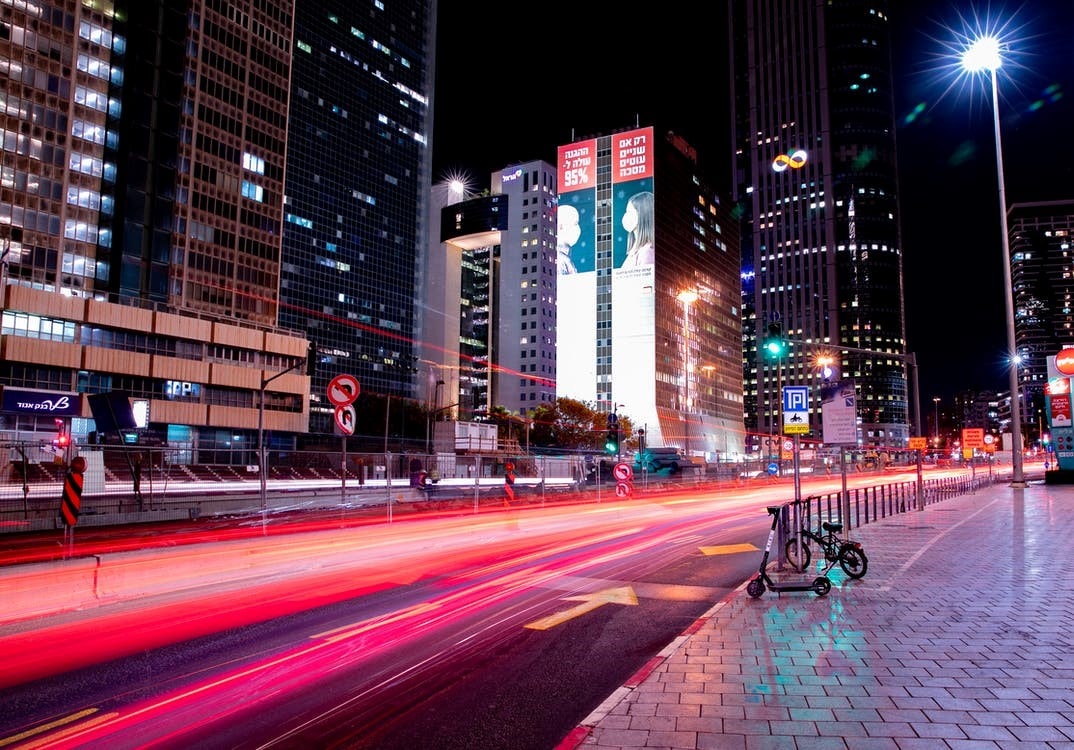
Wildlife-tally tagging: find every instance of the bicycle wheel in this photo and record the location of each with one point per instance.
(790, 552)
(853, 561)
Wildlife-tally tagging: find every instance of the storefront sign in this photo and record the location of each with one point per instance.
(46, 403)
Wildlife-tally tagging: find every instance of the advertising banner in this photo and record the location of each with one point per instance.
(839, 413)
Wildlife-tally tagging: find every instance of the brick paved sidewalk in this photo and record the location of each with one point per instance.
(959, 637)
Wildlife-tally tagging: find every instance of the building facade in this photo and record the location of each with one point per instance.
(648, 291)
(816, 183)
(141, 215)
(357, 188)
(524, 303)
(1042, 247)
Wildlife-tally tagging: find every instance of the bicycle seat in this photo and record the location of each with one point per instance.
(831, 526)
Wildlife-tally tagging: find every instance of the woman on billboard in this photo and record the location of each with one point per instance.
(639, 222)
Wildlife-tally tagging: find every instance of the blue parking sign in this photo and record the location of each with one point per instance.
(795, 398)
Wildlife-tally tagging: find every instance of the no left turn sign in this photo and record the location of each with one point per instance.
(343, 390)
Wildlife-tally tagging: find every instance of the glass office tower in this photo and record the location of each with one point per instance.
(816, 182)
(358, 179)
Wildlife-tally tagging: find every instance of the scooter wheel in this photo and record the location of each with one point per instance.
(755, 588)
(821, 585)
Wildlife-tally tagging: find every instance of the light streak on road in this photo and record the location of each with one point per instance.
(511, 567)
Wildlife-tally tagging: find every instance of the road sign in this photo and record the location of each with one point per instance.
(795, 409)
(773, 468)
(623, 471)
(71, 502)
(624, 489)
(973, 437)
(918, 443)
(345, 419)
(343, 390)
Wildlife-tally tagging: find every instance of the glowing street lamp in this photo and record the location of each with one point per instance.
(984, 54)
(936, 403)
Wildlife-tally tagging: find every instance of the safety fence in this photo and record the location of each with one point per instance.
(861, 505)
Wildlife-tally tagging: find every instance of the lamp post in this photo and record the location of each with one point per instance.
(436, 409)
(984, 54)
(936, 404)
(687, 297)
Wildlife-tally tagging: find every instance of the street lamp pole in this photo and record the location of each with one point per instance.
(436, 409)
(936, 404)
(687, 297)
(984, 54)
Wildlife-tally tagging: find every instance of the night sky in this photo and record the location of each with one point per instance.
(494, 105)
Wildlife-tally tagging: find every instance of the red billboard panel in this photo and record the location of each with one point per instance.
(577, 166)
(632, 155)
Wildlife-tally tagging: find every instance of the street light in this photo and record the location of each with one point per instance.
(984, 54)
(436, 410)
(936, 403)
(687, 297)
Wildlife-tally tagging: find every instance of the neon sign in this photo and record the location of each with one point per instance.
(794, 160)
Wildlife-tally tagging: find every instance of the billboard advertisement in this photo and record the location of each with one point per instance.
(576, 258)
(621, 270)
(839, 412)
(1057, 407)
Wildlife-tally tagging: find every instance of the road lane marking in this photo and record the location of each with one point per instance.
(589, 602)
(728, 549)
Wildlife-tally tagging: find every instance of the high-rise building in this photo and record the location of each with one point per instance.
(816, 183)
(524, 305)
(648, 291)
(491, 310)
(358, 182)
(1042, 248)
(141, 213)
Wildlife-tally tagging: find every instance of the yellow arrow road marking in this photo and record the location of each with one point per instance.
(728, 549)
(622, 595)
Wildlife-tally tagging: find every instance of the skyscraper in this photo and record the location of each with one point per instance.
(1042, 248)
(492, 312)
(648, 293)
(141, 210)
(358, 181)
(816, 183)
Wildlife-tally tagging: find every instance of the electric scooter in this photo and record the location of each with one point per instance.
(820, 585)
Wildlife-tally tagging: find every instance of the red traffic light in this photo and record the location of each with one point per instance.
(62, 441)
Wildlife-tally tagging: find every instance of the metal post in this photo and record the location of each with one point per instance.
(844, 496)
(797, 469)
(1017, 475)
(920, 483)
(262, 470)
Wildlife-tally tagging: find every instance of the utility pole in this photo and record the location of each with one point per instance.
(311, 364)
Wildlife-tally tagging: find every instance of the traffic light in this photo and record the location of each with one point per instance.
(63, 438)
(311, 359)
(774, 346)
(611, 443)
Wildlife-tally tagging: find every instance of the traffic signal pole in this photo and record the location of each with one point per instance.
(909, 358)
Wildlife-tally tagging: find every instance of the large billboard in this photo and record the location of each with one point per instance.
(621, 269)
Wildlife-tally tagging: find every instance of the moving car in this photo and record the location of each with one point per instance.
(657, 459)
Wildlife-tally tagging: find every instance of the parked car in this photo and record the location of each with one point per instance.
(657, 459)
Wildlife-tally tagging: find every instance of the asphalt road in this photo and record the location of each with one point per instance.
(498, 632)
